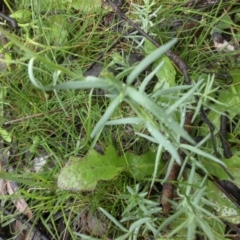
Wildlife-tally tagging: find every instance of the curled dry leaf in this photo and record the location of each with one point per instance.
(25, 231)
(220, 43)
(3, 41)
(39, 162)
(94, 223)
(3, 162)
(20, 203)
(3, 189)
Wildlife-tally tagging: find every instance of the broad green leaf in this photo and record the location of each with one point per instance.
(82, 5)
(225, 207)
(230, 96)
(231, 99)
(149, 47)
(22, 16)
(56, 32)
(83, 174)
(238, 39)
(232, 166)
(43, 5)
(5, 135)
(224, 23)
(141, 166)
(166, 75)
(237, 17)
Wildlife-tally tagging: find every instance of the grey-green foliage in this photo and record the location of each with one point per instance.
(139, 207)
(193, 210)
(146, 109)
(143, 214)
(162, 114)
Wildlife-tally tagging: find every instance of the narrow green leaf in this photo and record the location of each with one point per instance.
(156, 166)
(31, 75)
(202, 153)
(108, 113)
(138, 223)
(148, 60)
(164, 142)
(183, 99)
(151, 139)
(124, 73)
(88, 83)
(149, 77)
(132, 120)
(157, 111)
(206, 229)
(162, 92)
(85, 236)
(125, 236)
(191, 228)
(178, 228)
(20, 179)
(170, 219)
(118, 224)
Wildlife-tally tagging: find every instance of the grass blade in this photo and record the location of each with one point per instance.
(108, 113)
(113, 220)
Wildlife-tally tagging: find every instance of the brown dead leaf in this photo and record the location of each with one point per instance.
(20, 203)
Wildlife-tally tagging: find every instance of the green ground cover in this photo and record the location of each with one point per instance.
(86, 150)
